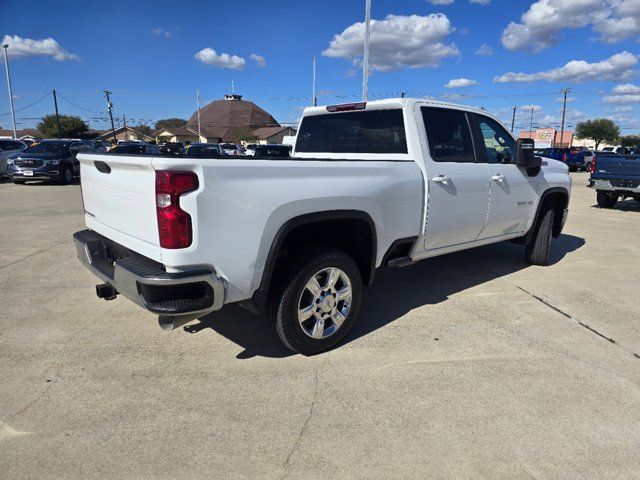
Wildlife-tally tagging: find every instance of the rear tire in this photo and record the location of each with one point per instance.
(538, 249)
(18, 182)
(606, 199)
(308, 322)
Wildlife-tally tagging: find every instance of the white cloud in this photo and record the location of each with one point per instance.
(624, 109)
(622, 99)
(481, 2)
(223, 60)
(484, 50)
(28, 47)
(617, 67)
(626, 88)
(397, 42)
(528, 108)
(162, 33)
(259, 59)
(460, 82)
(540, 27)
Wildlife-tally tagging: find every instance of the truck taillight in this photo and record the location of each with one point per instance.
(594, 160)
(174, 224)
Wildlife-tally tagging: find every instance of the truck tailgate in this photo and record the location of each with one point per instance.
(119, 198)
(618, 166)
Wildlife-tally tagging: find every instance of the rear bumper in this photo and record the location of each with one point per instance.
(616, 185)
(145, 282)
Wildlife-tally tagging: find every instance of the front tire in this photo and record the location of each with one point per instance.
(316, 302)
(538, 249)
(606, 199)
(67, 176)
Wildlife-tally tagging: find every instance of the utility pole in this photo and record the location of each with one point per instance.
(13, 113)
(365, 63)
(124, 123)
(402, 94)
(513, 120)
(55, 104)
(564, 112)
(531, 122)
(198, 104)
(110, 107)
(314, 99)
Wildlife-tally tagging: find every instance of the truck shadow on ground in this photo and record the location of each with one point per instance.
(394, 293)
(629, 205)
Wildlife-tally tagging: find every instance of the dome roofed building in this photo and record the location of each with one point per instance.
(231, 120)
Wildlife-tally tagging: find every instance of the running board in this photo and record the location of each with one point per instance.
(400, 262)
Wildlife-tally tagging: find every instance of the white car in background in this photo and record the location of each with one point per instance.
(231, 149)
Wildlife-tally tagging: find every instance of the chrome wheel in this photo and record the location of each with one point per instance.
(68, 176)
(325, 303)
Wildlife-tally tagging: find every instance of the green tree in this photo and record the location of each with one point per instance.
(70, 126)
(144, 129)
(244, 134)
(599, 130)
(170, 122)
(631, 141)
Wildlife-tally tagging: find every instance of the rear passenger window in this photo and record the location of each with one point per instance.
(372, 131)
(448, 135)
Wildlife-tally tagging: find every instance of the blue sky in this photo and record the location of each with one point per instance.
(145, 53)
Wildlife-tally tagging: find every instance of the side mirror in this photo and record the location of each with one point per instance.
(525, 155)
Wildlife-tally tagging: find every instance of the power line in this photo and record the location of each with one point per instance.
(75, 105)
(28, 106)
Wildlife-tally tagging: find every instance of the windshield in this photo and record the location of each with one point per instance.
(202, 151)
(52, 148)
(272, 151)
(127, 149)
(229, 146)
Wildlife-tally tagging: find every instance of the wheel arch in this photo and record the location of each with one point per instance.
(365, 259)
(559, 198)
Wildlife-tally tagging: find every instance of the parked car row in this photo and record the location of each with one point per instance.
(576, 158)
(49, 160)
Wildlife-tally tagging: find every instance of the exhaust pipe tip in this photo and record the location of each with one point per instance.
(168, 323)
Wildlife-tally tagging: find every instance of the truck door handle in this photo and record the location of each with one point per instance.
(441, 179)
(498, 178)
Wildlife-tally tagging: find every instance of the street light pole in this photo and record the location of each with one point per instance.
(365, 63)
(314, 99)
(198, 103)
(13, 113)
(513, 120)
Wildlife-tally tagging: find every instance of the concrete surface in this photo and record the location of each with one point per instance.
(471, 365)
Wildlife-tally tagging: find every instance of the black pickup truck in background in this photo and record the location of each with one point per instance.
(614, 177)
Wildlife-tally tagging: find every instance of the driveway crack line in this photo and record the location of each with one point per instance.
(305, 425)
(584, 325)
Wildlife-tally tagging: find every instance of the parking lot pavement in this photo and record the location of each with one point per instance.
(471, 365)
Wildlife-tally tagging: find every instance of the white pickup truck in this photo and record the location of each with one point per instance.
(370, 185)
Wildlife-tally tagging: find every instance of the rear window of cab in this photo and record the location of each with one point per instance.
(372, 131)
